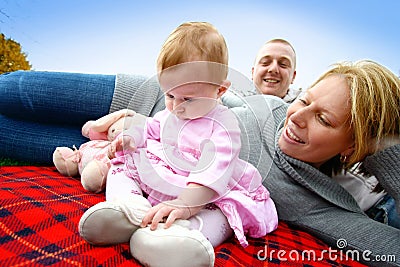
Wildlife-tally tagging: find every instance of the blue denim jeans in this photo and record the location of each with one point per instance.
(42, 110)
(385, 212)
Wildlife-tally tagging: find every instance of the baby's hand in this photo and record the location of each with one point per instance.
(167, 212)
(122, 142)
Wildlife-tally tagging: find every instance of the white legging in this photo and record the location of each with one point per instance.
(211, 222)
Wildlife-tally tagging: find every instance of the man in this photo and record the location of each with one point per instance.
(274, 69)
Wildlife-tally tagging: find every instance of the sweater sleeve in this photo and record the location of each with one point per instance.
(385, 166)
(138, 93)
(353, 234)
(259, 118)
(230, 100)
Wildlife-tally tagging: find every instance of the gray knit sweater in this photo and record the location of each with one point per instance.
(304, 197)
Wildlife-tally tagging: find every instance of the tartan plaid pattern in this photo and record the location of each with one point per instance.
(40, 210)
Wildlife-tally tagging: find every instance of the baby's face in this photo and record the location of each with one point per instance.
(192, 89)
(191, 101)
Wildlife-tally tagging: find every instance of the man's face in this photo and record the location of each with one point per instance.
(274, 69)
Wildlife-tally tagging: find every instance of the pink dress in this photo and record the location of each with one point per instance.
(172, 153)
(93, 150)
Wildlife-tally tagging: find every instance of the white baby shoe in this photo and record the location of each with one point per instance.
(176, 246)
(113, 222)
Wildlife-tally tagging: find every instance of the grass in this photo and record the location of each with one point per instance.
(12, 162)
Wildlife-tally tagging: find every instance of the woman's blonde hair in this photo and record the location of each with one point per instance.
(375, 104)
(193, 40)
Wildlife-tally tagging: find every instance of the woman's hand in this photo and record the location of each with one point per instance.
(167, 212)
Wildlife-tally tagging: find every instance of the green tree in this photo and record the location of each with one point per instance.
(11, 56)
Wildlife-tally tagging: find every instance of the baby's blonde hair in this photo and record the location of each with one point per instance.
(375, 104)
(191, 41)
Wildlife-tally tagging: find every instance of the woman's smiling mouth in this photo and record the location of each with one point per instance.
(292, 136)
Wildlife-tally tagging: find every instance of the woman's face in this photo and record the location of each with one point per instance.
(317, 126)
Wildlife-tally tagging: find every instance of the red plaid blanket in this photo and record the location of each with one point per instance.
(40, 211)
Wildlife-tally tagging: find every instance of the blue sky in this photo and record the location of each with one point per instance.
(125, 36)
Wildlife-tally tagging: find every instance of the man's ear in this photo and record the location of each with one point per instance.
(294, 77)
(223, 87)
